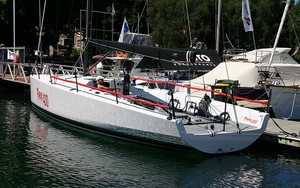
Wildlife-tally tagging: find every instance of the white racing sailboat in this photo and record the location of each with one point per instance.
(135, 113)
(138, 114)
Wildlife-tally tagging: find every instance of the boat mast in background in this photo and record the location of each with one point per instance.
(188, 22)
(14, 24)
(137, 30)
(279, 31)
(219, 4)
(39, 49)
(87, 36)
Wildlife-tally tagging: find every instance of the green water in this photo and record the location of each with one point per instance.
(36, 151)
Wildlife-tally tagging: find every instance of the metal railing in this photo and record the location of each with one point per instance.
(20, 72)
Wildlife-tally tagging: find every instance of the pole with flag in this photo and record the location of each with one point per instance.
(247, 20)
(246, 16)
(125, 29)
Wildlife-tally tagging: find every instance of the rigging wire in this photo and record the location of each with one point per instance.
(41, 27)
(231, 93)
(80, 54)
(39, 54)
(140, 17)
(208, 26)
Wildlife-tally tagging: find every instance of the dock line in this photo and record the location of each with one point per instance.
(285, 132)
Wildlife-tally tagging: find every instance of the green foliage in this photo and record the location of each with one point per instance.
(75, 52)
(293, 27)
(167, 23)
(166, 20)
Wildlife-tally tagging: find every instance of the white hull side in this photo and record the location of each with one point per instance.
(286, 102)
(101, 111)
(223, 141)
(103, 114)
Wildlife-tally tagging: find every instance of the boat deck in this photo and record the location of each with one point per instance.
(252, 105)
(215, 128)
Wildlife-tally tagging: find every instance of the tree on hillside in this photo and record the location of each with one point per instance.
(293, 30)
(167, 20)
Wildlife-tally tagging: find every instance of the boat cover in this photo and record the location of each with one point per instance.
(245, 73)
(169, 59)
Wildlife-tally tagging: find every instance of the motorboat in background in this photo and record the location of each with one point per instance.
(283, 93)
(285, 101)
(251, 70)
(277, 71)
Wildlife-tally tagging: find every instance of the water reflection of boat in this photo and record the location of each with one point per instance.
(224, 171)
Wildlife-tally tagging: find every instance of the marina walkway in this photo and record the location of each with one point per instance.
(283, 132)
(17, 79)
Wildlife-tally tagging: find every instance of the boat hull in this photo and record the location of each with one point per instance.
(100, 111)
(285, 102)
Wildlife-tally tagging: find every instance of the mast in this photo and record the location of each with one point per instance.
(14, 24)
(39, 48)
(218, 25)
(40, 23)
(87, 35)
(188, 22)
(113, 12)
(279, 31)
(14, 33)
